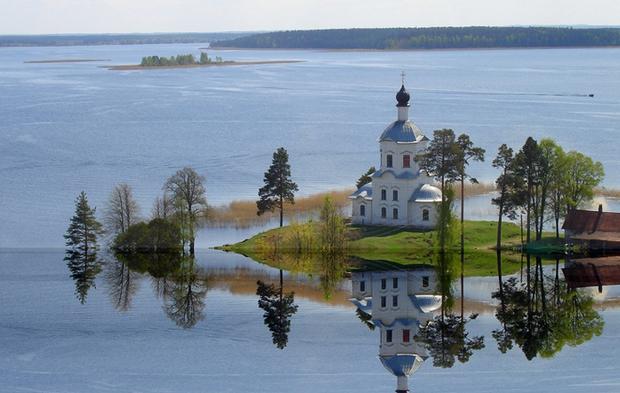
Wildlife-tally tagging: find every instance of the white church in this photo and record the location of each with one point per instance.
(400, 193)
(398, 302)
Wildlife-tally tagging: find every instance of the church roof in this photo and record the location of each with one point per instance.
(426, 303)
(402, 175)
(364, 191)
(426, 194)
(402, 131)
(402, 365)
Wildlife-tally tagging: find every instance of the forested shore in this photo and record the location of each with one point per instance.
(429, 38)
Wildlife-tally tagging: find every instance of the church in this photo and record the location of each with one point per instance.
(400, 192)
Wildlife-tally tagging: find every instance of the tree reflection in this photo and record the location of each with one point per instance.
(542, 316)
(122, 282)
(185, 294)
(331, 268)
(278, 309)
(84, 267)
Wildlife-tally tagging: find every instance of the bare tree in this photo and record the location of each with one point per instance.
(163, 207)
(122, 210)
(187, 189)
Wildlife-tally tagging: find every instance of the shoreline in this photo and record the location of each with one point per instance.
(133, 67)
(495, 48)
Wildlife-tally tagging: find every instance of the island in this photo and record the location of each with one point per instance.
(188, 60)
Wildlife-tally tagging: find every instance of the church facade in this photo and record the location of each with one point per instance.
(400, 192)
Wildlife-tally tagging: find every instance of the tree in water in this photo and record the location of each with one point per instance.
(188, 192)
(278, 309)
(121, 211)
(278, 188)
(188, 290)
(365, 178)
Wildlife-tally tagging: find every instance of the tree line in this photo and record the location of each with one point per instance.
(179, 60)
(430, 38)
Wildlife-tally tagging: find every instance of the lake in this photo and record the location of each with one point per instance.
(75, 126)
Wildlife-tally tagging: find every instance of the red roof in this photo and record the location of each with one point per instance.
(588, 221)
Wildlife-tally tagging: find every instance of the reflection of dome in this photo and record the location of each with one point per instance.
(427, 193)
(402, 96)
(427, 303)
(402, 365)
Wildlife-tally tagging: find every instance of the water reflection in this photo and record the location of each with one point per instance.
(84, 268)
(278, 308)
(185, 294)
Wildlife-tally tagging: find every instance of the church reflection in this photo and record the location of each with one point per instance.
(397, 303)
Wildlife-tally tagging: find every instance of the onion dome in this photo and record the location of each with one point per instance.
(426, 193)
(402, 365)
(402, 97)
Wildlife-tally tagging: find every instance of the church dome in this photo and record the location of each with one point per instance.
(402, 97)
(426, 193)
(402, 131)
(402, 365)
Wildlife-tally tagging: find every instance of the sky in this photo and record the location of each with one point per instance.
(144, 16)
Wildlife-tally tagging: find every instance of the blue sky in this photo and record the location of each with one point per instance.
(117, 16)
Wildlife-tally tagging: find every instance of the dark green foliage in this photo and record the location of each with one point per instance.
(447, 339)
(81, 241)
(429, 38)
(158, 235)
(278, 188)
(278, 309)
(366, 177)
(156, 61)
(511, 188)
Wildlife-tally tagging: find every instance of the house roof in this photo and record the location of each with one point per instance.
(592, 223)
(402, 131)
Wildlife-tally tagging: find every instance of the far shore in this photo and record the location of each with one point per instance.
(131, 67)
(46, 61)
(496, 48)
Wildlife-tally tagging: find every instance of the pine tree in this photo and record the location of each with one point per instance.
(366, 177)
(278, 309)
(279, 187)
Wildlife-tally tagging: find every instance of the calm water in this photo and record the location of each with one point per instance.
(71, 127)
(126, 338)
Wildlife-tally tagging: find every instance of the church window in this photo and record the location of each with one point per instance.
(383, 283)
(425, 215)
(362, 286)
(406, 335)
(394, 195)
(388, 336)
(362, 210)
(383, 302)
(406, 161)
(394, 301)
(395, 282)
(395, 214)
(383, 194)
(383, 212)
(425, 282)
(388, 160)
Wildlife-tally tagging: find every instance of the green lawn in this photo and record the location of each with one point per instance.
(374, 245)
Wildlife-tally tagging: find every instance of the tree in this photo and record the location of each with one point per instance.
(466, 152)
(528, 164)
(278, 188)
(163, 207)
(158, 235)
(81, 242)
(187, 189)
(332, 229)
(366, 177)
(440, 159)
(559, 179)
(121, 210)
(583, 175)
(510, 187)
(278, 309)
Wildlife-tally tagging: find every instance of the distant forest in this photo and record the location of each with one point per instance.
(429, 38)
(113, 39)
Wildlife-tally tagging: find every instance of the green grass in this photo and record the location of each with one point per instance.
(372, 246)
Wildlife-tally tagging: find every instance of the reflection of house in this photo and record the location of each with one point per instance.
(398, 302)
(592, 272)
(400, 193)
(597, 230)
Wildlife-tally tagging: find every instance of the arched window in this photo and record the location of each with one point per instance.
(425, 214)
(383, 194)
(394, 195)
(383, 212)
(395, 214)
(406, 161)
(362, 210)
(388, 160)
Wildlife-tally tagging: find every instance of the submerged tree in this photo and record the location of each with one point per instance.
(121, 211)
(365, 178)
(278, 308)
(278, 188)
(81, 242)
(187, 189)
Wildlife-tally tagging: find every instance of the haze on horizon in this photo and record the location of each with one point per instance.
(147, 16)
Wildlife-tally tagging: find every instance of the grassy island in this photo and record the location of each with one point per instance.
(401, 246)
